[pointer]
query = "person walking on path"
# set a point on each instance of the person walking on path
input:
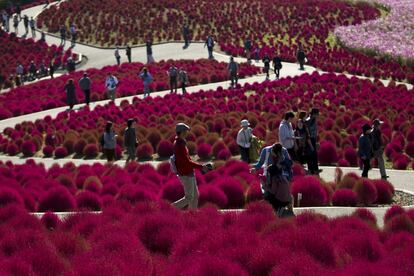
(85, 85)
(20, 71)
(287, 134)
(244, 138)
(62, 32)
(186, 35)
(173, 74)
(150, 58)
(210, 46)
(128, 53)
(16, 24)
(42, 37)
(70, 93)
(5, 19)
(277, 175)
(73, 35)
(233, 68)
(109, 142)
(51, 68)
(19, 11)
(147, 79)
(277, 65)
(130, 140)
(183, 78)
(312, 125)
(378, 147)
(32, 71)
(248, 49)
(26, 24)
(301, 57)
(365, 149)
(32, 24)
(185, 167)
(304, 144)
(111, 84)
(117, 56)
(266, 63)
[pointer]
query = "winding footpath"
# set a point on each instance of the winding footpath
(98, 58)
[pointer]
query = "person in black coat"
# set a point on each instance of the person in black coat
(266, 62)
(277, 65)
(186, 35)
(128, 53)
(365, 149)
(300, 55)
(70, 93)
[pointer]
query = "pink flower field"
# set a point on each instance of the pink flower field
(48, 94)
(345, 104)
(156, 239)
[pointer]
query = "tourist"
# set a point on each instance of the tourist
(148, 44)
(117, 56)
(257, 54)
(5, 19)
(147, 79)
(287, 134)
(18, 80)
(70, 65)
(186, 35)
(32, 24)
(277, 176)
(172, 75)
(303, 143)
(312, 125)
(210, 46)
(365, 149)
(378, 147)
(184, 168)
(20, 71)
(301, 57)
(233, 68)
(244, 138)
(70, 93)
(248, 49)
(109, 142)
(130, 140)
(62, 32)
(73, 34)
(42, 36)
(128, 53)
(42, 70)
(183, 78)
(277, 65)
(51, 68)
(32, 71)
(19, 11)
(26, 24)
(85, 85)
(266, 62)
(111, 83)
(16, 24)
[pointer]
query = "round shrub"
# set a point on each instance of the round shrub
(313, 193)
(400, 164)
(399, 223)
(145, 151)
(409, 149)
(48, 151)
(50, 220)
(69, 145)
(28, 148)
(88, 200)
(9, 196)
(165, 149)
(254, 193)
(90, 151)
(204, 151)
(79, 146)
(57, 200)
(393, 211)
(366, 191)
(12, 149)
(212, 194)
(344, 197)
(385, 191)
(172, 191)
(298, 170)
(224, 154)
(233, 190)
(217, 147)
(327, 153)
(350, 155)
(365, 215)
(348, 181)
(61, 152)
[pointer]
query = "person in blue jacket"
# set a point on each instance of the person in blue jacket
(365, 149)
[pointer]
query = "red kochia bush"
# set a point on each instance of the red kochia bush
(145, 151)
(89, 200)
(28, 148)
(48, 151)
(165, 149)
(90, 151)
(50, 220)
(9, 196)
(61, 152)
(233, 190)
(204, 151)
(313, 193)
(57, 200)
(344, 197)
(213, 195)
(385, 191)
(366, 191)
(327, 153)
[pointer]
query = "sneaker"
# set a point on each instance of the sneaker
(385, 177)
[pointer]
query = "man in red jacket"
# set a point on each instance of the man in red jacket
(185, 169)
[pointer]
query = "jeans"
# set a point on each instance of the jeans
(173, 84)
(244, 152)
(366, 167)
(313, 158)
(111, 94)
(233, 78)
(380, 159)
(183, 86)
(190, 193)
(87, 94)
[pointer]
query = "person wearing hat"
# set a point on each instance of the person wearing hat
(130, 140)
(365, 149)
(312, 125)
(85, 85)
(244, 138)
(185, 169)
(287, 135)
(377, 146)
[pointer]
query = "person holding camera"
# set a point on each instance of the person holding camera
(184, 167)
(130, 140)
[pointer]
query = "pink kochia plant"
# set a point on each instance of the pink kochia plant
(123, 238)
